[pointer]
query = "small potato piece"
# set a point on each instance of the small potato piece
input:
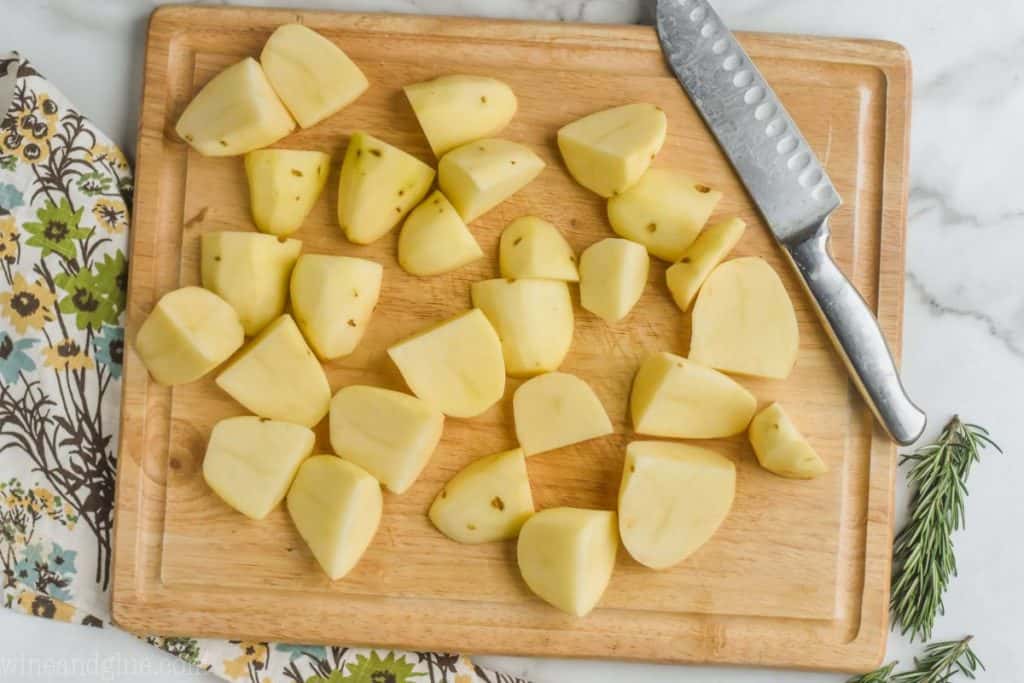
(189, 332)
(389, 434)
(744, 322)
(435, 239)
(663, 211)
(700, 258)
(555, 410)
(379, 184)
(284, 184)
(672, 499)
(277, 376)
(250, 271)
(312, 76)
(488, 500)
(453, 110)
(455, 365)
(336, 507)
(533, 319)
(333, 298)
(608, 151)
(533, 248)
(566, 556)
(479, 175)
(613, 274)
(236, 112)
(781, 448)
(250, 461)
(676, 397)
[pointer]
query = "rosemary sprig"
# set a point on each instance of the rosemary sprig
(923, 559)
(880, 675)
(940, 663)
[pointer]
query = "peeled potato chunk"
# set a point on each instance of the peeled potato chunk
(250, 461)
(566, 556)
(609, 150)
(533, 319)
(663, 211)
(453, 110)
(250, 271)
(672, 499)
(700, 258)
(488, 500)
(555, 410)
(277, 376)
(333, 298)
(336, 507)
(435, 239)
(533, 248)
(236, 112)
(743, 321)
(613, 274)
(189, 332)
(455, 365)
(284, 184)
(781, 448)
(389, 434)
(312, 76)
(479, 175)
(676, 397)
(379, 184)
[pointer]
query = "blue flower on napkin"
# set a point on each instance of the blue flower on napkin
(10, 198)
(13, 359)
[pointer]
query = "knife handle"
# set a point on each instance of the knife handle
(857, 337)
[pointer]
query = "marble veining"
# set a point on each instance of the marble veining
(964, 313)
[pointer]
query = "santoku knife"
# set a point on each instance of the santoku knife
(791, 189)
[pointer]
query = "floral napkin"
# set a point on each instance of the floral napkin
(65, 198)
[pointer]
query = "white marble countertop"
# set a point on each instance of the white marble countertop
(964, 321)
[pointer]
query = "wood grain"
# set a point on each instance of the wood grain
(797, 576)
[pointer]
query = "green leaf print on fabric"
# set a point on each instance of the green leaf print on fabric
(93, 183)
(56, 229)
(85, 299)
(373, 669)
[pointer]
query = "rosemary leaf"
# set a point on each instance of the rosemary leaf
(923, 558)
(880, 675)
(940, 663)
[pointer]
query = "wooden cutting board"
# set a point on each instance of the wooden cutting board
(797, 576)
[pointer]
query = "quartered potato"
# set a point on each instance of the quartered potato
(555, 410)
(435, 239)
(533, 319)
(488, 500)
(333, 298)
(676, 397)
(685, 278)
(672, 499)
(566, 556)
(608, 151)
(389, 434)
(531, 247)
(336, 507)
(284, 184)
(781, 448)
(236, 112)
(664, 211)
(250, 271)
(250, 461)
(744, 322)
(189, 332)
(453, 110)
(379, 184)
(613, 274)
(479, 175)
(277, 376)
(455, 365)
(311, 75)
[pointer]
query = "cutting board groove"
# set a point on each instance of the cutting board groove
(797, 576)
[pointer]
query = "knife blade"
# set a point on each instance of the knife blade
(791, 189)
